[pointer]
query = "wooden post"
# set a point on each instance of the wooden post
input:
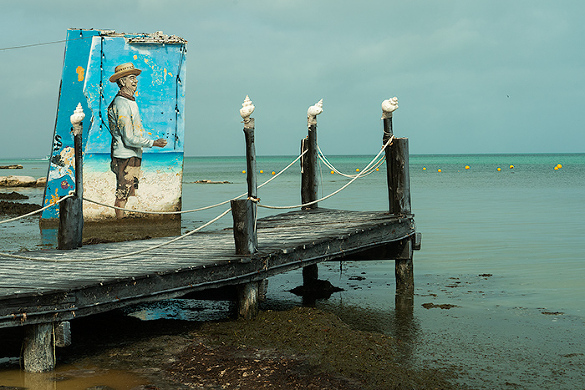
(404, 270)
(398, 180)
(310, 274)
(244, 217)
(309, 168)
(250, 159)
(309, 178)
(243, 212)
(70, 234)
(397, 173)
(247, 300)
(38, 352)
(398, 176)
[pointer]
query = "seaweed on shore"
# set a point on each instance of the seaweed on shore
(15, 208)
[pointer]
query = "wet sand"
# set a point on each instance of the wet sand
(302, 348)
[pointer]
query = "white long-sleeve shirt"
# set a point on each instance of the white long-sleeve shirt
(126, 129)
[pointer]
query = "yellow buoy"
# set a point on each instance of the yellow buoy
(424, 168)
(467, 167)
(377, 169)
(261, 171)
(439, 170)
(559, 166)
(556, 168)
(332, 172)
(357, 169)
(274, 173)
(511, 166)
(243, 171)
(499, 169)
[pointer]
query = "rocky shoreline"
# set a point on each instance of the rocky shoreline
(22, 181)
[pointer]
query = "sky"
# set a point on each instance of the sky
(496, 76)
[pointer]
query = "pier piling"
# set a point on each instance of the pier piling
(70, 234)
(309, 178)
(398, 181)
(244, 217)
(38, 353)
(309, 168)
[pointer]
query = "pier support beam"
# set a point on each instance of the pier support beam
(403, 269)
(38, 351)
(244, 215)
(247, 300)
(310, 274)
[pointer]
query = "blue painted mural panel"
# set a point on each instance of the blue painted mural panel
(91, 58)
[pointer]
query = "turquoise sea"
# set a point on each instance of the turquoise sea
(503, 241)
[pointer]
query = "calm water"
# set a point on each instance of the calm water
(506, 246)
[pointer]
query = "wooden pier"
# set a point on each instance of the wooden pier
(36, 292)
(52, 287)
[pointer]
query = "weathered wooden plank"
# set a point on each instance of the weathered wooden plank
(59, 291)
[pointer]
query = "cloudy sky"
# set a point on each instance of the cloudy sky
(495, 76)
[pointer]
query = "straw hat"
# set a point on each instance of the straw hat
(124, 70)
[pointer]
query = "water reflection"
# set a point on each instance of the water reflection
(405, 327)
(71, 378)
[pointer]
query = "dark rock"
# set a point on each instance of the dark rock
(316, 289)
(17, 208)
(12, 196)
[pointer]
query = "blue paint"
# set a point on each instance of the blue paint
(90, 59)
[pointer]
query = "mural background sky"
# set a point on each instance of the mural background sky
(494, 76)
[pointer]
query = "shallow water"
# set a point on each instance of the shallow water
(71, 378)
(523, 326)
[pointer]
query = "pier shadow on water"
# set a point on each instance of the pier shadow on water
(116, 230)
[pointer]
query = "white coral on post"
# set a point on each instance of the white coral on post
(388, 107)
(76, 119)
(313, 111)
(247, 108)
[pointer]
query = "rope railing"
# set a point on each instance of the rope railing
(37, 211)
(197, 209)
(359, 175)
(45, 259)
(327, 163)
(368, 169)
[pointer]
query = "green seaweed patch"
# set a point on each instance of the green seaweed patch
(444, 306)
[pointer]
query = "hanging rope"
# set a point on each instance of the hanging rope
(198, 209)
(330, 166)
(118, 256)
(36, 211)
(335, 192)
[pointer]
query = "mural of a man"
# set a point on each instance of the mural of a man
(127, 135)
